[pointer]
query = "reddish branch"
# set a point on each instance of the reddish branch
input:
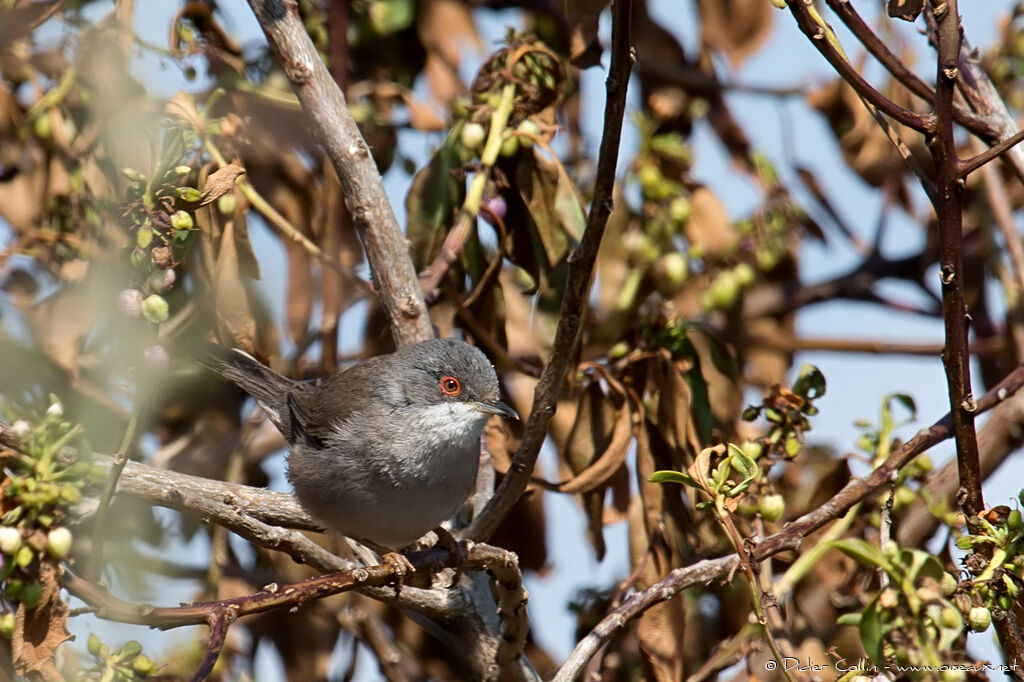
(334, 128)
(949, 214)
(790, 538)
(581, 268)
(818, 37)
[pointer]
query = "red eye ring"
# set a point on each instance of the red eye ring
(450, 386)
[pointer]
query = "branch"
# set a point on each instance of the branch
(791, 344)
(814, 27)
(790, 538)
(845, 10)
(976, 162)
(581, 267)
(334, 128)
(948, 206)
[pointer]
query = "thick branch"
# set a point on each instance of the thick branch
(949, 214)
(790, 538)
(801, 10)
(334, 128)
(581, 268)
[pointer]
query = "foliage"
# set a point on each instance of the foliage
(137, 219)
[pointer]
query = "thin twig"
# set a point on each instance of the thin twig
(813, 26)
(334, 128)
(581, 266)
(967, 166)
(94, 565)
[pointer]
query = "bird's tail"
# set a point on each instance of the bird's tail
(269, 388)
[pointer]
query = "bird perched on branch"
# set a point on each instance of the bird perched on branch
(385, 450)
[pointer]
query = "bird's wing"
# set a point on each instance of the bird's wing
(318, 406)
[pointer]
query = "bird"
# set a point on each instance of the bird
(387, 449)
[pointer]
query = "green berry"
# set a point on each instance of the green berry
(10, 540)
(772, 507)
(155, 308)
(509, 146)
(528, 127)
(181, 220)
(979, 618)
(58, 542)
(472, 135)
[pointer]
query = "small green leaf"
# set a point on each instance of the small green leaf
(811, 383)
(862, 552)
(870, 629)
(672, 477)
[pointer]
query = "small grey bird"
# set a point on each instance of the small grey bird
(387, 449)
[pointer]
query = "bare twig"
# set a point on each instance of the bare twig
(334, 128)
(949, 214)
(792, 344)
(967, 166)
(95, 562)
(811, 23)
(790, 538)
(845, 10)
(581, 266)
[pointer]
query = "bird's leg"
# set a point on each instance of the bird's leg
(458, 549)
(398, 563)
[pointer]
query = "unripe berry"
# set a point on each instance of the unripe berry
(979, 618)
(772, 507)
(155, 308)
(58, 542)
(10, 540)
(181, 220)
(472, 135)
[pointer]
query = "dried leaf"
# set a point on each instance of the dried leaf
(737, 28)
(444, 28)
(554, 204)
(182, 106)
(584, 47)
(220, 183)
(60, 324)
(422, 116)
(234, 311)
(591, 435)
(708, 226)
(39, 631)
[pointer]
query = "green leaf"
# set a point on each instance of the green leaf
(862, 552)
(870, 629)
(811, 383)
(672, 477)
(432, 203)
(849, 619)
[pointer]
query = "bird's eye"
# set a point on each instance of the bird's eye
(450, 386)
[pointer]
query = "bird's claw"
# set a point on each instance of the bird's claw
(401, 567)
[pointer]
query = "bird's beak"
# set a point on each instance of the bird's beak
(498, 408)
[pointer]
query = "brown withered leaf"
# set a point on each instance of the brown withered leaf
(39, 631)
(598, 442)
(584, 47)
(182, 106)
(444, 28)
(234, 311)
(907, 10)
(866, 147)
(60, 324)
(421, 115)
(708, 226)
(661, 631)
(220, 183)
(675, 414)
(736, 28)
(554, 204)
